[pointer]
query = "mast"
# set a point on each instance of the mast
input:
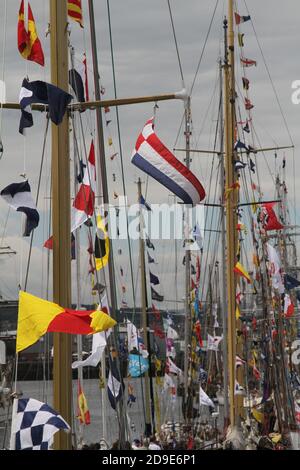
(144, 317)
(223, 248)
(187, 323)
(62, 372)
(229, 102)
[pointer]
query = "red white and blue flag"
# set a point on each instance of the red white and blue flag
(152, 156)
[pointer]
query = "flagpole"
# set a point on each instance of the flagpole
(148, 427)
(62, 375)
(187, 324)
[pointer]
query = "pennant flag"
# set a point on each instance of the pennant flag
(75, 11)
(150, 260)
(241, 271)
(171, 333)
(198, 333)
(18, 196)
(246, 83)
(153, 279)
(239, 361)
(257, 415)
(84, 202)
(144, 203)
(76, 82)
(241, 19)
(246, 128)
(239, 390)
(238, 165)
(151, 156)
(156, 296)
(252, 166)
(44, 93)
(49, 245)
(156, 312)
(283, 162)
(241, 39)
(290, 282)
(240, 145)
(268, 217)
(204, 398)
(115, 385)
(149, 244)
(37, 317)
(34, 424)
(171, 368)
(168, 382)
(29, 44)
(83, 413)
(137, 365)
(248, 62)
(197, 236)
(101, 244)
(248, 104)
(213, 342)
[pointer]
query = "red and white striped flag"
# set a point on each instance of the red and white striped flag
(84, 203)
(248, 62)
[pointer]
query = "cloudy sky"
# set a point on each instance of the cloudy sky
(146, 64)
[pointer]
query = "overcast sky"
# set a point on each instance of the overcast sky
(146, 64)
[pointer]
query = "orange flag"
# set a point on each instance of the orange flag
(83, 410)
(29, 44)
(241, 271)
(75, 11)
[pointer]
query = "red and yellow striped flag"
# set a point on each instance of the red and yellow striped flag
(29, 44)
(83, 410)
(75, 11)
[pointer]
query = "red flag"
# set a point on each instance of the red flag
(29, 44)
(248, 104)
(268, 217)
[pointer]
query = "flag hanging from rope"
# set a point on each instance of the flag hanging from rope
(29, 44)
(38, 316)
(18, 196)
(241, 271)
(83, 205)
(152, 156)
(268, 217)
(241, 19)
(44, 93)
(83, 413)
(248, 62)
(115, 385)
(75, 11)
(101, 244)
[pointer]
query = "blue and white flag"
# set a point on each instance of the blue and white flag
(34, 424)
(143, 202)
(152, 156)
(115, 385)
(153, 279)
(18, 196)
(137, 365)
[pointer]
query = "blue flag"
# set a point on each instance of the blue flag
(137, 365)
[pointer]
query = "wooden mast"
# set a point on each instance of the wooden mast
(62, 373)
(230, 204)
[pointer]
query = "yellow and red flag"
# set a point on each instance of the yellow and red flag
(75, 11)
(83, 410)
(241, 271)
(37, 317)
(29, 44)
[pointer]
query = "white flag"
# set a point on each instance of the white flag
(173, 368)
(213, 342)
(275, 268)
(171, 333)
(168, 382)
(204, 398)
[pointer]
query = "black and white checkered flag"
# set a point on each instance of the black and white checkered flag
(34, 424)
